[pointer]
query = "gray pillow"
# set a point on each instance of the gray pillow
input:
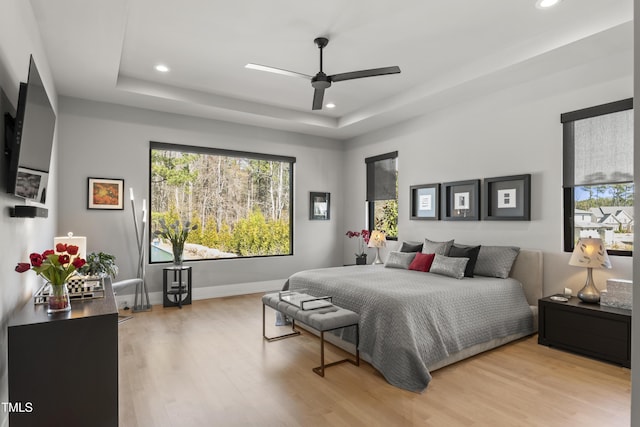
(411, 247)
(470, 252)
(400, 259)
(495, 261)
(446, 266)
(440, 248)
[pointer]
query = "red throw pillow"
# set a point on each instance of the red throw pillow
(422, 262)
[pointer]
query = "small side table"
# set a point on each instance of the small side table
(176, 286)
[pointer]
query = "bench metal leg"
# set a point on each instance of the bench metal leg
(320, 369)
(279, 337)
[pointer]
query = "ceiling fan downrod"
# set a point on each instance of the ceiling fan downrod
(321, 42)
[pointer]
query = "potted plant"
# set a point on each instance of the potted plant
(100, 264)
(363, 240)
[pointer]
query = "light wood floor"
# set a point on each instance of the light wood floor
(207, 365)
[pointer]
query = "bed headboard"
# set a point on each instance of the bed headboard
(528, 270)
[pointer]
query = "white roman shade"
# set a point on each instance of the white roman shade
(604, 149)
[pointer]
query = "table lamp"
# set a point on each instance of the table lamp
(590, 253)
(377, 240)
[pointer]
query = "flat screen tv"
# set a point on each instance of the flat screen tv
(29, 140)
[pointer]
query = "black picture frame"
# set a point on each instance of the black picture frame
(105, 193)
(461, 200)
(319, 205)
(507, 198)
(425, 201)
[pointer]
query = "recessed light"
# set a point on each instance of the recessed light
(330, 105)
(545, 4)
(162, 68)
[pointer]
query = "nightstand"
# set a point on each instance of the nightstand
(588, 329)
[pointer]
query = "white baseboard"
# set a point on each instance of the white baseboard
(155, 298)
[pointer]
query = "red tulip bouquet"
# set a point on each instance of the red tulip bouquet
(55, 267)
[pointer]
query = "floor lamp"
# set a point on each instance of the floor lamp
(141, 299)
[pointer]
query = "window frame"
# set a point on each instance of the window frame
(155, 145)
(370, 184)
(568, 165)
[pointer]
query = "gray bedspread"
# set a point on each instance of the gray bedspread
(409, 320)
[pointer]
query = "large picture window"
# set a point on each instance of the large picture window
(240, 203)
(382, 193)
(598, 176)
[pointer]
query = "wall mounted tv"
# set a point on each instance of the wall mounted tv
(29, 140)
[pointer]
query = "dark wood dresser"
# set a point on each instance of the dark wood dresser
(64, 365)
(588, 329)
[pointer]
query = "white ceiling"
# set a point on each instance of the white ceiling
(450, 50)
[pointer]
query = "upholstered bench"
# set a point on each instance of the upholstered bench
(321, 319)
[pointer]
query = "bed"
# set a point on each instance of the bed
(412, 323)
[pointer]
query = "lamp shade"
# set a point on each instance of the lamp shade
(377, 239)
(590, 252)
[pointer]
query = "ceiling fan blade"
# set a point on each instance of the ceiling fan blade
(318, 97)
(276, 71)
(364, 73)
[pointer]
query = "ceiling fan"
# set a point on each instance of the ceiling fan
(321, 81)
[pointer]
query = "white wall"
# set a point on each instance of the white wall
(19, 38)
(514, 131)
(110, 141)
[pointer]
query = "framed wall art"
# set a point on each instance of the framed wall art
(425, 201)
(507, 198)
(461, 200)
(105, 193)
(31, 184)
(319, 205)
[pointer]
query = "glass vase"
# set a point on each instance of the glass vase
(58, 299)
(177, 256)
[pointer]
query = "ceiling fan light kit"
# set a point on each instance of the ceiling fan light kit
(322, 81)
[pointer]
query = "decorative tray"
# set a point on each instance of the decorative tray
(79, 288)
(305, 301)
